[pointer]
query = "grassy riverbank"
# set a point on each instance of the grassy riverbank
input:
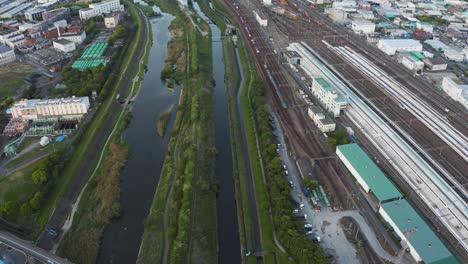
(181, 225)
(232, 82)
(100, 203)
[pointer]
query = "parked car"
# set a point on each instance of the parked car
(301, 206)
(307, 225)
(296, 211)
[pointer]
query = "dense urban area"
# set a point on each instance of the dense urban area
(234, 131)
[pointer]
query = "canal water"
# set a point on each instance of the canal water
(140, 176)
(228, 229)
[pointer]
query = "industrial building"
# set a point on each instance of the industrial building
(362, 26)
(64, 45)
(366, 172)
(410, 61)
(415, 234)
(56, 15)
(12, 38)
(7, 55)
(391, 46)
(435, 64)
(323, 122)
(48, 57)
(46, 108)
(457, 92)
(328, 96)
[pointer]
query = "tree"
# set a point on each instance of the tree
(35, 202)
(25, 209)
(39, 176)
(310, 183)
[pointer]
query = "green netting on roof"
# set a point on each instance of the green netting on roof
(92, 56)
(84, 64)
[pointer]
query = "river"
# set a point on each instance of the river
(228, 228)
(140, 176)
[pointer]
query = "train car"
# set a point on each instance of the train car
(277, 90)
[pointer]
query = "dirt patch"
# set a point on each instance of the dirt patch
(353, 234)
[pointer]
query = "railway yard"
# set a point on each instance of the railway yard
(409, 127)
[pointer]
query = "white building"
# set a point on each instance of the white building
(97, 9)
(37, 108)
(324, 123)
(411, 62)
(362, 26)
(112, 20)
(7, 55)
(328, 97)
(78, 37)
(391, 46)
(87, 13)
(12, 38)
(34, 14)
(106, 7)
(427, 27)
(456, 91)
(64, 45)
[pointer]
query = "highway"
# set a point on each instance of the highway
(30, 249)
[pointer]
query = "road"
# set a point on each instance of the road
(29, 249)
(256, 245)
(60, 215)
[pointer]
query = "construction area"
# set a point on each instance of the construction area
(407, 132)
(92, 56)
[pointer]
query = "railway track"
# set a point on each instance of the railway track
(266, 59)
(448, 162)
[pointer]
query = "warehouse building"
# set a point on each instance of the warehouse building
(415, 234)
(391, 46)
(362, 26)
(76, 37)
(366, 172)
(7, 55)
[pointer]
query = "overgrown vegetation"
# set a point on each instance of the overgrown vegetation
(100, 203)
(162, 123)
(433, 20)
(339, 137)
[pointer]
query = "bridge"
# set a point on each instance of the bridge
(30, 249)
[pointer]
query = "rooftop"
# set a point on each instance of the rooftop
(421, 237)
(64, 41)
(401, 42)
(377, 181)
(325, 85)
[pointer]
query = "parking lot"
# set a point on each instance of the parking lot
(323, 225)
